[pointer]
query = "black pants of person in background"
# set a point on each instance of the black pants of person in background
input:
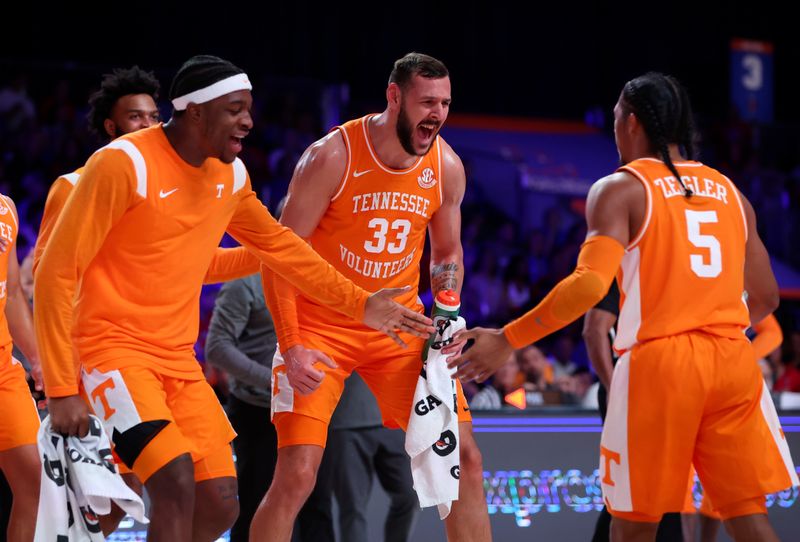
(669, 530)
(256, 448)
(352, 459)
(6, 500)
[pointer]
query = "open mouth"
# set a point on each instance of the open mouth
(427, 129)
(236, 143)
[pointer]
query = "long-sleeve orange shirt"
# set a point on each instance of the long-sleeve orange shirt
(134, 242)
(227, 263)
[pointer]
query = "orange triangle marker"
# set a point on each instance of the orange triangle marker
(517, 398)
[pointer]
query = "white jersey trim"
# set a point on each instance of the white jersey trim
(741, 205)
(378, 160)
(343, 183)
(615, 440)
(649, 207)
(676, 164)
(239, 175)
(630, 315)
(139, 165)
(71, 178)
(441, 171)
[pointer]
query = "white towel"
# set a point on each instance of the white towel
(432, 435)
(79, 481)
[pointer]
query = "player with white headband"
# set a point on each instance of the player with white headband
(134, 242)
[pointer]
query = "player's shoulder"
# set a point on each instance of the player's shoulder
(620, 181)
(327, 155)
(450, 159)
(69, 179)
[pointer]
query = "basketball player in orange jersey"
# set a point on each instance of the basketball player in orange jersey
(364, 196)
(19, 423)
(119, 282)
(125, 103)
(687, 389)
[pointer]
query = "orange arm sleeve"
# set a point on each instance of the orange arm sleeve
(281, 299)
(56, 199)
(106, 190)
(231, 263)
(768, 336)
(598, 263)
(286, 254)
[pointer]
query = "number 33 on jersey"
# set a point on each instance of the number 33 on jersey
(374, 229)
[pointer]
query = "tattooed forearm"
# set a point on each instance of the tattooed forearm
(444, 277)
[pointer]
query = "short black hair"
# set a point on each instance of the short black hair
(120, 82)
(416, 64)
(199, 72)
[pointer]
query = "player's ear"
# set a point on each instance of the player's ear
(194, 112)
(110, 127)
(393, 95)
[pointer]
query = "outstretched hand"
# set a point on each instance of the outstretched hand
(489, 351)
(390, 317)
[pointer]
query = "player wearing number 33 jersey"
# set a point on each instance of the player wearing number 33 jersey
(364, 197)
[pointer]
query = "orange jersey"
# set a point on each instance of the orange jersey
(684, 270)
(8, 231)
(132, 247)
(56, 199)
(374, 230)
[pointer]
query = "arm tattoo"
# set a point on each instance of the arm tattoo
(444, 277)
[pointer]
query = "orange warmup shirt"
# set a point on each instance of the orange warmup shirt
(134, 242)
(227, 263)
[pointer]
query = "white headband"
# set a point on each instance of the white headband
(220, 88)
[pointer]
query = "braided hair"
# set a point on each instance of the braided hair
(662, 105)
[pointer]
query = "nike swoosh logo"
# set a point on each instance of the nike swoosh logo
(360, 173)
(163, 194)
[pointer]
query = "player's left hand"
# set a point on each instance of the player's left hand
(390, 317)
(490, 350)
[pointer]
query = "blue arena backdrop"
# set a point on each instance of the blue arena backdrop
(542, 481)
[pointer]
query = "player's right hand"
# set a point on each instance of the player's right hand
(69, 415)
(384, 314)
(303, 376)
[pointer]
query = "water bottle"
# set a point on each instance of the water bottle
(445, 310)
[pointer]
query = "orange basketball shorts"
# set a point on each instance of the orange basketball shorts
(152, 418)
(19, 423)
(391, 372)
(690, 399)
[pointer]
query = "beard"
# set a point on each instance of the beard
(405, 133)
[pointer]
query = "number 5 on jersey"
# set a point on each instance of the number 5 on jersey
(399, 228)
(694, 219)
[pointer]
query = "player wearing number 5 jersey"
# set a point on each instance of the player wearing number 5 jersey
(683, 244)
(364, 196)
